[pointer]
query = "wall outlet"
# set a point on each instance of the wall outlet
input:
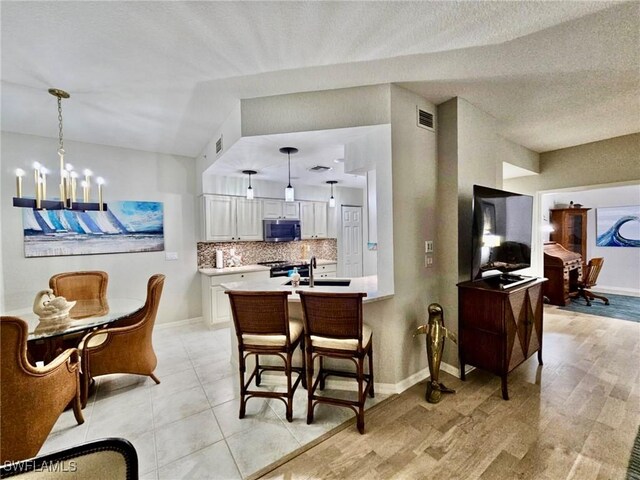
(428, 261)
(170, 255)
(428, 246)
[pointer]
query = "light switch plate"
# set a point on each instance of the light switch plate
(170, 255)
(428, 246)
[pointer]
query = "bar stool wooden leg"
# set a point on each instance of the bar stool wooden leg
(322, 374)
(310, 388)
(242, 367)
(361, 396)
(304, 365)
(371, 391)
(257, 370)
(287, 371)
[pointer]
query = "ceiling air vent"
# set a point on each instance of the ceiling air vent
(219, 145)
(425, 119)
(319, 169)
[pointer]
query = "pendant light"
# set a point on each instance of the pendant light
(249, 189)
(288, 192)
(332, 200)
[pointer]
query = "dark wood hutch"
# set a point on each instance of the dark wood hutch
(570, 229)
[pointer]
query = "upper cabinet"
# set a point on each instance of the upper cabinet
(232, 219)
(280, 209)
(313, 219)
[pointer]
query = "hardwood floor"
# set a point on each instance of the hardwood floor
(576, 417)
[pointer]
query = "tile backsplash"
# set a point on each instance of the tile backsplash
(254, 252)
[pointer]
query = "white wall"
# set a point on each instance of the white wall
(130, 175)
(471, 151)
(592, 165)
(621, 270)
(324, 110)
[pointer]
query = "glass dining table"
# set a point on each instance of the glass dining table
(46, 337)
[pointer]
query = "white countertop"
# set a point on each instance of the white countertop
(360, 284)
(212, 272)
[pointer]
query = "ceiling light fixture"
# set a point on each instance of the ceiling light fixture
(68, 179)
(332, 200)
(249, 188)
(288, 192)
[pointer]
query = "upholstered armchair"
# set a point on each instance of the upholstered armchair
(125, 348)
(32, 398)
(88, 289)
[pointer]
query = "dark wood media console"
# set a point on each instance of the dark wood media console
(498, 329)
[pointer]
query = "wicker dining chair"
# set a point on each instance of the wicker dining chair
(32, 398)
(263, 327)
(88, 289)
(127, 346)
(333, 328)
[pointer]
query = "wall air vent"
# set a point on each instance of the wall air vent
(319, 169)
(425, 119)
(219, 145)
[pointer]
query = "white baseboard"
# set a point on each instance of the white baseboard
(633, 292)
(178, 323)
(383, 388)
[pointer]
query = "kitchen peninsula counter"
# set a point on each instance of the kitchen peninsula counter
(359, 284)
(212, 272)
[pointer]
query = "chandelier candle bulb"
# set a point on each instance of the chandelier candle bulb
(36, 178)
(87, 179)
(100, 182)
(19, 175)
(43, 182)
(85, 191)
(74, 196)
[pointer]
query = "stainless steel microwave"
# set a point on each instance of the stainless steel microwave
(281, 230)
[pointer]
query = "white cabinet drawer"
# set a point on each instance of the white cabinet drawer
(239, 277)
(330, 268)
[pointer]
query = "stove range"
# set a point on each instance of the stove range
(281, 268)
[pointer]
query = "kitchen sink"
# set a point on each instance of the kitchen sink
(324, 282)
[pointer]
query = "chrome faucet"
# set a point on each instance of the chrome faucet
(312, 264)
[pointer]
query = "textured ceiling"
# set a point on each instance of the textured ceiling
(162, 76)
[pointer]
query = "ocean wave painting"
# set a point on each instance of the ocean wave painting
(127, 226)
(618, 226)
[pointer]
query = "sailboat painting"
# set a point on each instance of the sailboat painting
(127, 226)
(618, 226)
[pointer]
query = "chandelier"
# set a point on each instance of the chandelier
(68, 196)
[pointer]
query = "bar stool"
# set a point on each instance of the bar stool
(333, 328)
(262, 324)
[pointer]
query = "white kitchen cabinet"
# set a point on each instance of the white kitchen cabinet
(275, 209)
(219, 218)
(215, 303)
(248, 219)
(229, 218)
(326, 271)
(313, 220)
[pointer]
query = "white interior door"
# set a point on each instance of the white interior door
(351, 260)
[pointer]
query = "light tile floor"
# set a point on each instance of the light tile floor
(188, 426)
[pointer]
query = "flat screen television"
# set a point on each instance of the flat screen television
(502, 227)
